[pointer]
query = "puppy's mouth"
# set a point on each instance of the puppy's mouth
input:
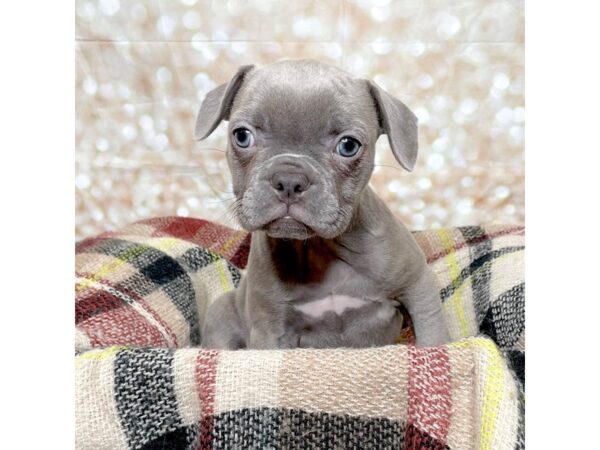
(288, 227)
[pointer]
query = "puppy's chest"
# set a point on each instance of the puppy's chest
(343, 295)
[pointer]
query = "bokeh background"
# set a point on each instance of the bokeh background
(143, 68)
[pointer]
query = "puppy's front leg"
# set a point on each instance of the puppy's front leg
(262, 339)
(223, 328)
(423, 302)
(267, 335)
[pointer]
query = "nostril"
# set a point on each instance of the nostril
(289, 185)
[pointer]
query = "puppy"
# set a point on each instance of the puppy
(329, 264)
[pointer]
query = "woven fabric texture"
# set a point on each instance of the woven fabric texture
(141, 295)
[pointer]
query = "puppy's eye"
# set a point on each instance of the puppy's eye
(243, 137)
(348, 147)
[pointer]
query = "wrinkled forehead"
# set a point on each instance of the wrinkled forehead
(300, 103)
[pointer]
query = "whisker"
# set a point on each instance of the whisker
(390, 167)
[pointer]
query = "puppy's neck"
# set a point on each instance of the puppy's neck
(307, 261)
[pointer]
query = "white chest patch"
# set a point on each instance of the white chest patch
(335, 303)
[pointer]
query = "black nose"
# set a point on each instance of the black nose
(289, 186)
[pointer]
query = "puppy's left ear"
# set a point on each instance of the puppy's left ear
(399, 123)
(216, 106)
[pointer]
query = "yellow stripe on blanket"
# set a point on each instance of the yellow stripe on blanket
(493, 387)
(221, 268)
(100, 354)
(162, 244)
(456, 299)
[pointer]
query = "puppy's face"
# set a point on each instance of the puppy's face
(301, 146)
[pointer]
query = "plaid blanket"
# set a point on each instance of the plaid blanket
(141, 295)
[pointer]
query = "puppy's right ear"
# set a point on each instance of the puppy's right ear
(216, 106)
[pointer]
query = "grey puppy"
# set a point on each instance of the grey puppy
(329, 264)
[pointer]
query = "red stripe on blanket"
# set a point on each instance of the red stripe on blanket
(240, 257)
(430, 400)
(138, 299)
(87, 243)
(206, 377)
(181, 228)
(117, 326)
(475, 240)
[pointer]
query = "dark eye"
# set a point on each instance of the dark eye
(243, 137)
(348, 147)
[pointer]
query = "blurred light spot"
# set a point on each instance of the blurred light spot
(203, 83)
(468, 106)
(418, 204)
(440, 144)
(124, 91)
(439, 102)
(82, 181)
(501, 81)
(193, 202)
(220, 35)
(90, 86)
(436, 161)
(422, 114)
(129, 132)
(183, 211)
(517, 134)
(398, 188)
(97, 215)
(418, 219)
(102, 144)
(380, 13)
(502, 192)
(146, 122)
(424, 183)
(161, 141)
(448, 25)
(467, 182)
(505, 115)
(166, 24)
(417, 49)
(464, 206)
(239, 47)
(334, 50)
(191, 20)
(163, 75)
(109, 7)
(304, 27)
(129, 109)
(381, 46)
(519, 114)
(424, 81)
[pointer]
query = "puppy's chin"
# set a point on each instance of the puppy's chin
(288, 228)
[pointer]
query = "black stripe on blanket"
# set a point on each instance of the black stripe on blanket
(271, 428)
(479, 245)
(156, 270)
(474, 267)
(145, 395)
(505, 320)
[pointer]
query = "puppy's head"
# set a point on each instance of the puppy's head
(301, 144)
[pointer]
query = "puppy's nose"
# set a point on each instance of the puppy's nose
(289, 186)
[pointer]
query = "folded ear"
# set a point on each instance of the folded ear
(216, 106)
(400, 125)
